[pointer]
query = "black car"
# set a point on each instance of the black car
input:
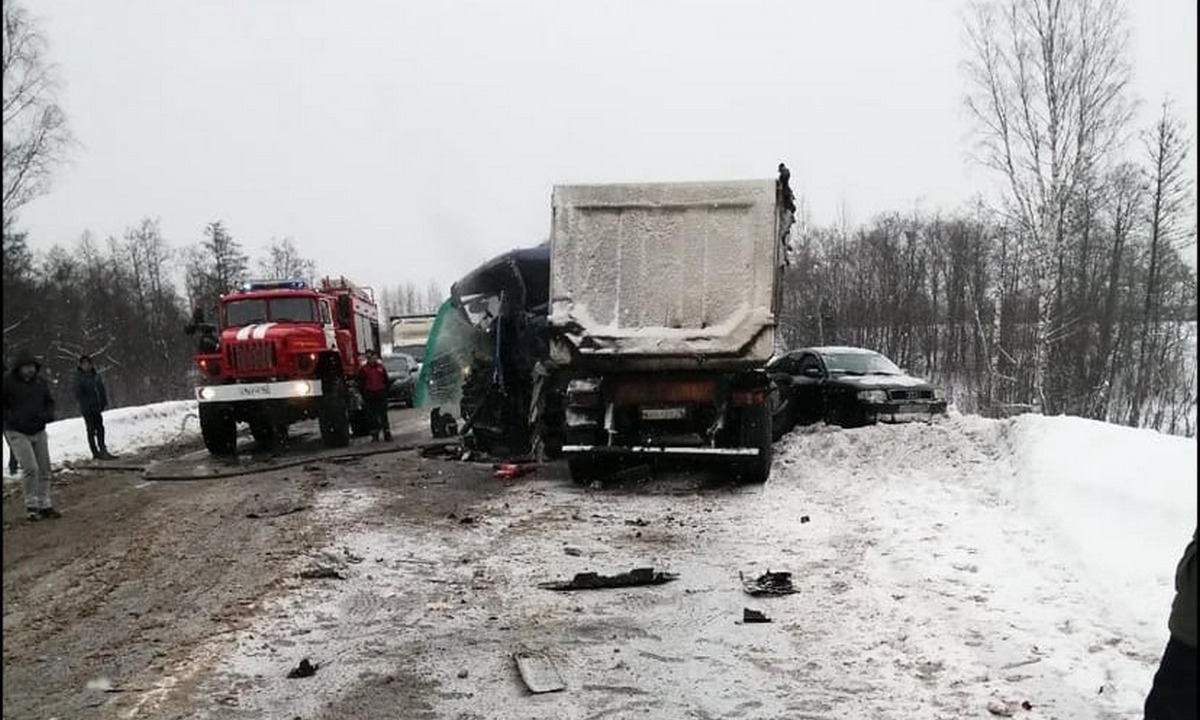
(402, 374)
(846, 386)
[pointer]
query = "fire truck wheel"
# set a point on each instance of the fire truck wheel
(335, 414)
(264, 434)
(219, 429)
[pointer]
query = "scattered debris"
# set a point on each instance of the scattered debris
(442, 425)
(303, 670)
(1007, 708)
(1026, 705)
(754, 616)
(321, 572)
(803, 519)
(511, 471)
(350, 557)
(262, 514)
(538, 672)
(638, 523)
(462, 674)
(769, 583)
(572, 551)
(594, 581)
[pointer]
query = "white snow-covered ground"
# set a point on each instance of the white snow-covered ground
(942, 569)
(127, 430)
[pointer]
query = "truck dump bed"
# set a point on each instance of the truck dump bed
(664, 275)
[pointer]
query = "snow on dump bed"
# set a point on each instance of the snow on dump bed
(665, 269)
(127, 430)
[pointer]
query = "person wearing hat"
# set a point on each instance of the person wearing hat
(92, 399)
(28, 407)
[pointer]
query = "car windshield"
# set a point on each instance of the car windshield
(860, 364)
(396, 364)
(240, 313)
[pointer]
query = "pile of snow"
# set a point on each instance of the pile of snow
(127, 430)
(1033, 556)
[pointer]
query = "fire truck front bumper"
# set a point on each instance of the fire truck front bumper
(246, 392)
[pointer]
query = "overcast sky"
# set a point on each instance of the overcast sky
(411, 140)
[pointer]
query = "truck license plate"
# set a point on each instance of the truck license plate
(673, 413)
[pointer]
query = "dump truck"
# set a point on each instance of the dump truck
(663, 299)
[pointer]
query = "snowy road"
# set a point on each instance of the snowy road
(942, 569)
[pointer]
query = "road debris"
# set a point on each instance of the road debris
(769, 583)
(321, 572)
(262, 514)
(572, 551)
(638, 523)
(538, 672)
(303, 670)
(754, 616)
(803, 519)
(512, 471)
(463, 674)
(595, 581)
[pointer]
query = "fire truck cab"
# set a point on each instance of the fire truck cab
(286, 352)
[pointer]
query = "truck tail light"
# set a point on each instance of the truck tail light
(742, 398)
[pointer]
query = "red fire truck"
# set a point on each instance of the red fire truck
(282, 352)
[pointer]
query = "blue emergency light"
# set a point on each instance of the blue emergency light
(291, 284)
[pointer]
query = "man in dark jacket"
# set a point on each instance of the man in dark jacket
(28, 408)
(373, 382)
(13, 467)
(92, 399)
(1173, 696)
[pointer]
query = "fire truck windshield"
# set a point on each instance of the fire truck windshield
(240, 313)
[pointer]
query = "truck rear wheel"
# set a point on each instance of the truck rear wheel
(334, 415)
(756, 433)
(219, 429)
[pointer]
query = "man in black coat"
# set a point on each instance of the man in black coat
(92, 398)
(28, 407)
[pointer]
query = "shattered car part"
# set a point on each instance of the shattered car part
(769, 583)
(538, 672)
(595, 581)
(754, 616)
(303, 670)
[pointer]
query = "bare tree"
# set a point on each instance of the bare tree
(1169, 207)
(1048, 92)
(283, 260)
(36, 135)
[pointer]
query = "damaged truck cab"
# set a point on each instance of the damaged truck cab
(663, 300)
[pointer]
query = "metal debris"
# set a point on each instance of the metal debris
(754, 616)
(769, 583)
(303, 670)
(538, 672)
(595, 581)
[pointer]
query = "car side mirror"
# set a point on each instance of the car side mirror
(812, 372)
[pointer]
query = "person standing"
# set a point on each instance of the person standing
(13, 467)
(28, 407)
(1173, 694)
(373, 382)
(92, 399)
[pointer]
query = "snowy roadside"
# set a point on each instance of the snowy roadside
(128, 430)
(942, 568)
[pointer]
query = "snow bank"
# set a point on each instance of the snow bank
(127, 430)
(1121, 501)
(1036, 553)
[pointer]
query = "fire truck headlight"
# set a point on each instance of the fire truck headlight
(207, 393)
(302, 387)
